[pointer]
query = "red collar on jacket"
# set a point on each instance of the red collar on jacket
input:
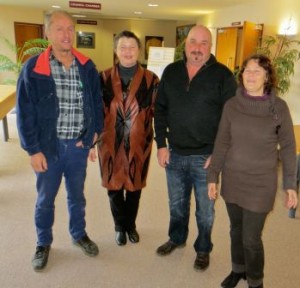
(42, 65)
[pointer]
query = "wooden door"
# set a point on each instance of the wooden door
(251, 39)
(226, 51)
(25, 32)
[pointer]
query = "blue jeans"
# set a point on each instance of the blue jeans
(183, 174)
(71, 163)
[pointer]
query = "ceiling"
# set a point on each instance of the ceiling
(180, 10)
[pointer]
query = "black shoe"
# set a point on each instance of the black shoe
(233, 279)
(40, 258)
(259, 286)
(88, 247)
(201, 261)
(121, 238)
(167, 248)
(133, 236)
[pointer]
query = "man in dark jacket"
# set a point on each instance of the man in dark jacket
(59, 116)
(188, 109)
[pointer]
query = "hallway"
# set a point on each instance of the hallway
(133, 265)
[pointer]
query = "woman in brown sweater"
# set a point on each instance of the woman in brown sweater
(129, 93)
(254, 124)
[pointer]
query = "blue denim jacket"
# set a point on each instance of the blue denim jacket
(38, 109)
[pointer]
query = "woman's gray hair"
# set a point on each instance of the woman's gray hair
(127, 34)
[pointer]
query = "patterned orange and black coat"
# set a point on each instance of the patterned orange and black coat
(125, 144)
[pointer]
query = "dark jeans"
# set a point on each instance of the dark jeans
(185, 173)
(71, 164)
(247, 251)
(124, 208)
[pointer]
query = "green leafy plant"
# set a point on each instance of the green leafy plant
(284, 53)
(29, 48)
(179, 50)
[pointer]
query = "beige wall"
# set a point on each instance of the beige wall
(102, 55)
(8, 16)
(271, 13)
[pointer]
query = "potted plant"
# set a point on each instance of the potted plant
(30, 47)
(284, 53)
(179, 50)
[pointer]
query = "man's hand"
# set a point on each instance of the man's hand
(92, 153)
(207, 162)
(163, 156)
(39, 162)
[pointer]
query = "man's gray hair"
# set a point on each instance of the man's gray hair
(50, 14)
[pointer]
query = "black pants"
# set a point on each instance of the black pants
(124, 207)
(247, 251)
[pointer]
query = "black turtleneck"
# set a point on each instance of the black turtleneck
(126, 73)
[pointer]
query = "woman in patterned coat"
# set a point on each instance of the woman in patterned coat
(126, 141)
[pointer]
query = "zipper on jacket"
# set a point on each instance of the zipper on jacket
(205, 66)
(188, 86)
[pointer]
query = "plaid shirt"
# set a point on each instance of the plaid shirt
(70, 96)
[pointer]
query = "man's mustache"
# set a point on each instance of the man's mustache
(197, 53)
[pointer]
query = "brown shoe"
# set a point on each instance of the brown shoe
(167, 248)
(201, 261)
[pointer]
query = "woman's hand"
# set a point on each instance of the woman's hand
(212, 191)
(291, 200)
(92, 154)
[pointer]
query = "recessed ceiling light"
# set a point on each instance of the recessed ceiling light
(138, 12)
(152, 5)
(55, 6)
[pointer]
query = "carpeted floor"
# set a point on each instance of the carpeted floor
(134, 265)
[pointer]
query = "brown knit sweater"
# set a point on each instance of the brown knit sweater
(246, 151)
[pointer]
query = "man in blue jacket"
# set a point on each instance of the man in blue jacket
(59, 117)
